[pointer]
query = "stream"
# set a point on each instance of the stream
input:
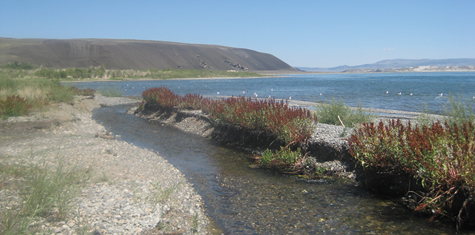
(243, 200)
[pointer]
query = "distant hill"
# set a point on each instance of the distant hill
(135, 54)
(396, 64)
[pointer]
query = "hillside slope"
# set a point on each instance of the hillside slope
(135, 54)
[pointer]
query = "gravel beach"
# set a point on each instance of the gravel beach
(132, 190)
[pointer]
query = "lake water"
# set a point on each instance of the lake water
(397, 91)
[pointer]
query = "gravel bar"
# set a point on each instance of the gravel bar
(132, 191)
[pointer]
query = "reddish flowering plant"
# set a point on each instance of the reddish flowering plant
(440, 155)
(292, 125)
(161, 96)
(14, 106)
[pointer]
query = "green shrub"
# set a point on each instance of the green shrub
(45, 193)
(282, 159)
(330, 111)
(459, 110)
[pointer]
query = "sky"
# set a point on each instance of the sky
(303, 33)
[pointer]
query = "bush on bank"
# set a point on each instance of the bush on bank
(441, 156)
(291, 125)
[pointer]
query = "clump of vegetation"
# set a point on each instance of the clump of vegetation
(440, 156)
(284, 158)
(292, 125)
(19, 96)
(161, 96)
(84, 92)
(459, 110)
(14, 106)
(44, 194)
(335, 112)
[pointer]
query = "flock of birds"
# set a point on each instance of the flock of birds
(290, 97)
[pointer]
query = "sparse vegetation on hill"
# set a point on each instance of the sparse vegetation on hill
(136, 54)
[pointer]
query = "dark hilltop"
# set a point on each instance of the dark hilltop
(136, 54)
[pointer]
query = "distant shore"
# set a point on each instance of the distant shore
(270, 74)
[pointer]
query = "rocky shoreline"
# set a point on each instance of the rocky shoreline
(132, 190)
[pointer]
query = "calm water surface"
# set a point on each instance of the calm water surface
(398, 91)
(243, 200)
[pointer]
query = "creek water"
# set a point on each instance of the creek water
(243, 200)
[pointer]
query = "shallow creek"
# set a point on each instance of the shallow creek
(242, 200)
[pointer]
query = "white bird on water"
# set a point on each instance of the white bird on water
(399, 93)
(217, 92)
(387, 92)
(290, 97)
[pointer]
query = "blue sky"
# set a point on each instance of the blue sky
(309, 33)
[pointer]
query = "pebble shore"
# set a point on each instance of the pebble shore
(132, 191)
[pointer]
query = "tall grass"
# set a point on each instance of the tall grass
(335, 112)
(19, 96)
(44, 193)
(459, 110)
